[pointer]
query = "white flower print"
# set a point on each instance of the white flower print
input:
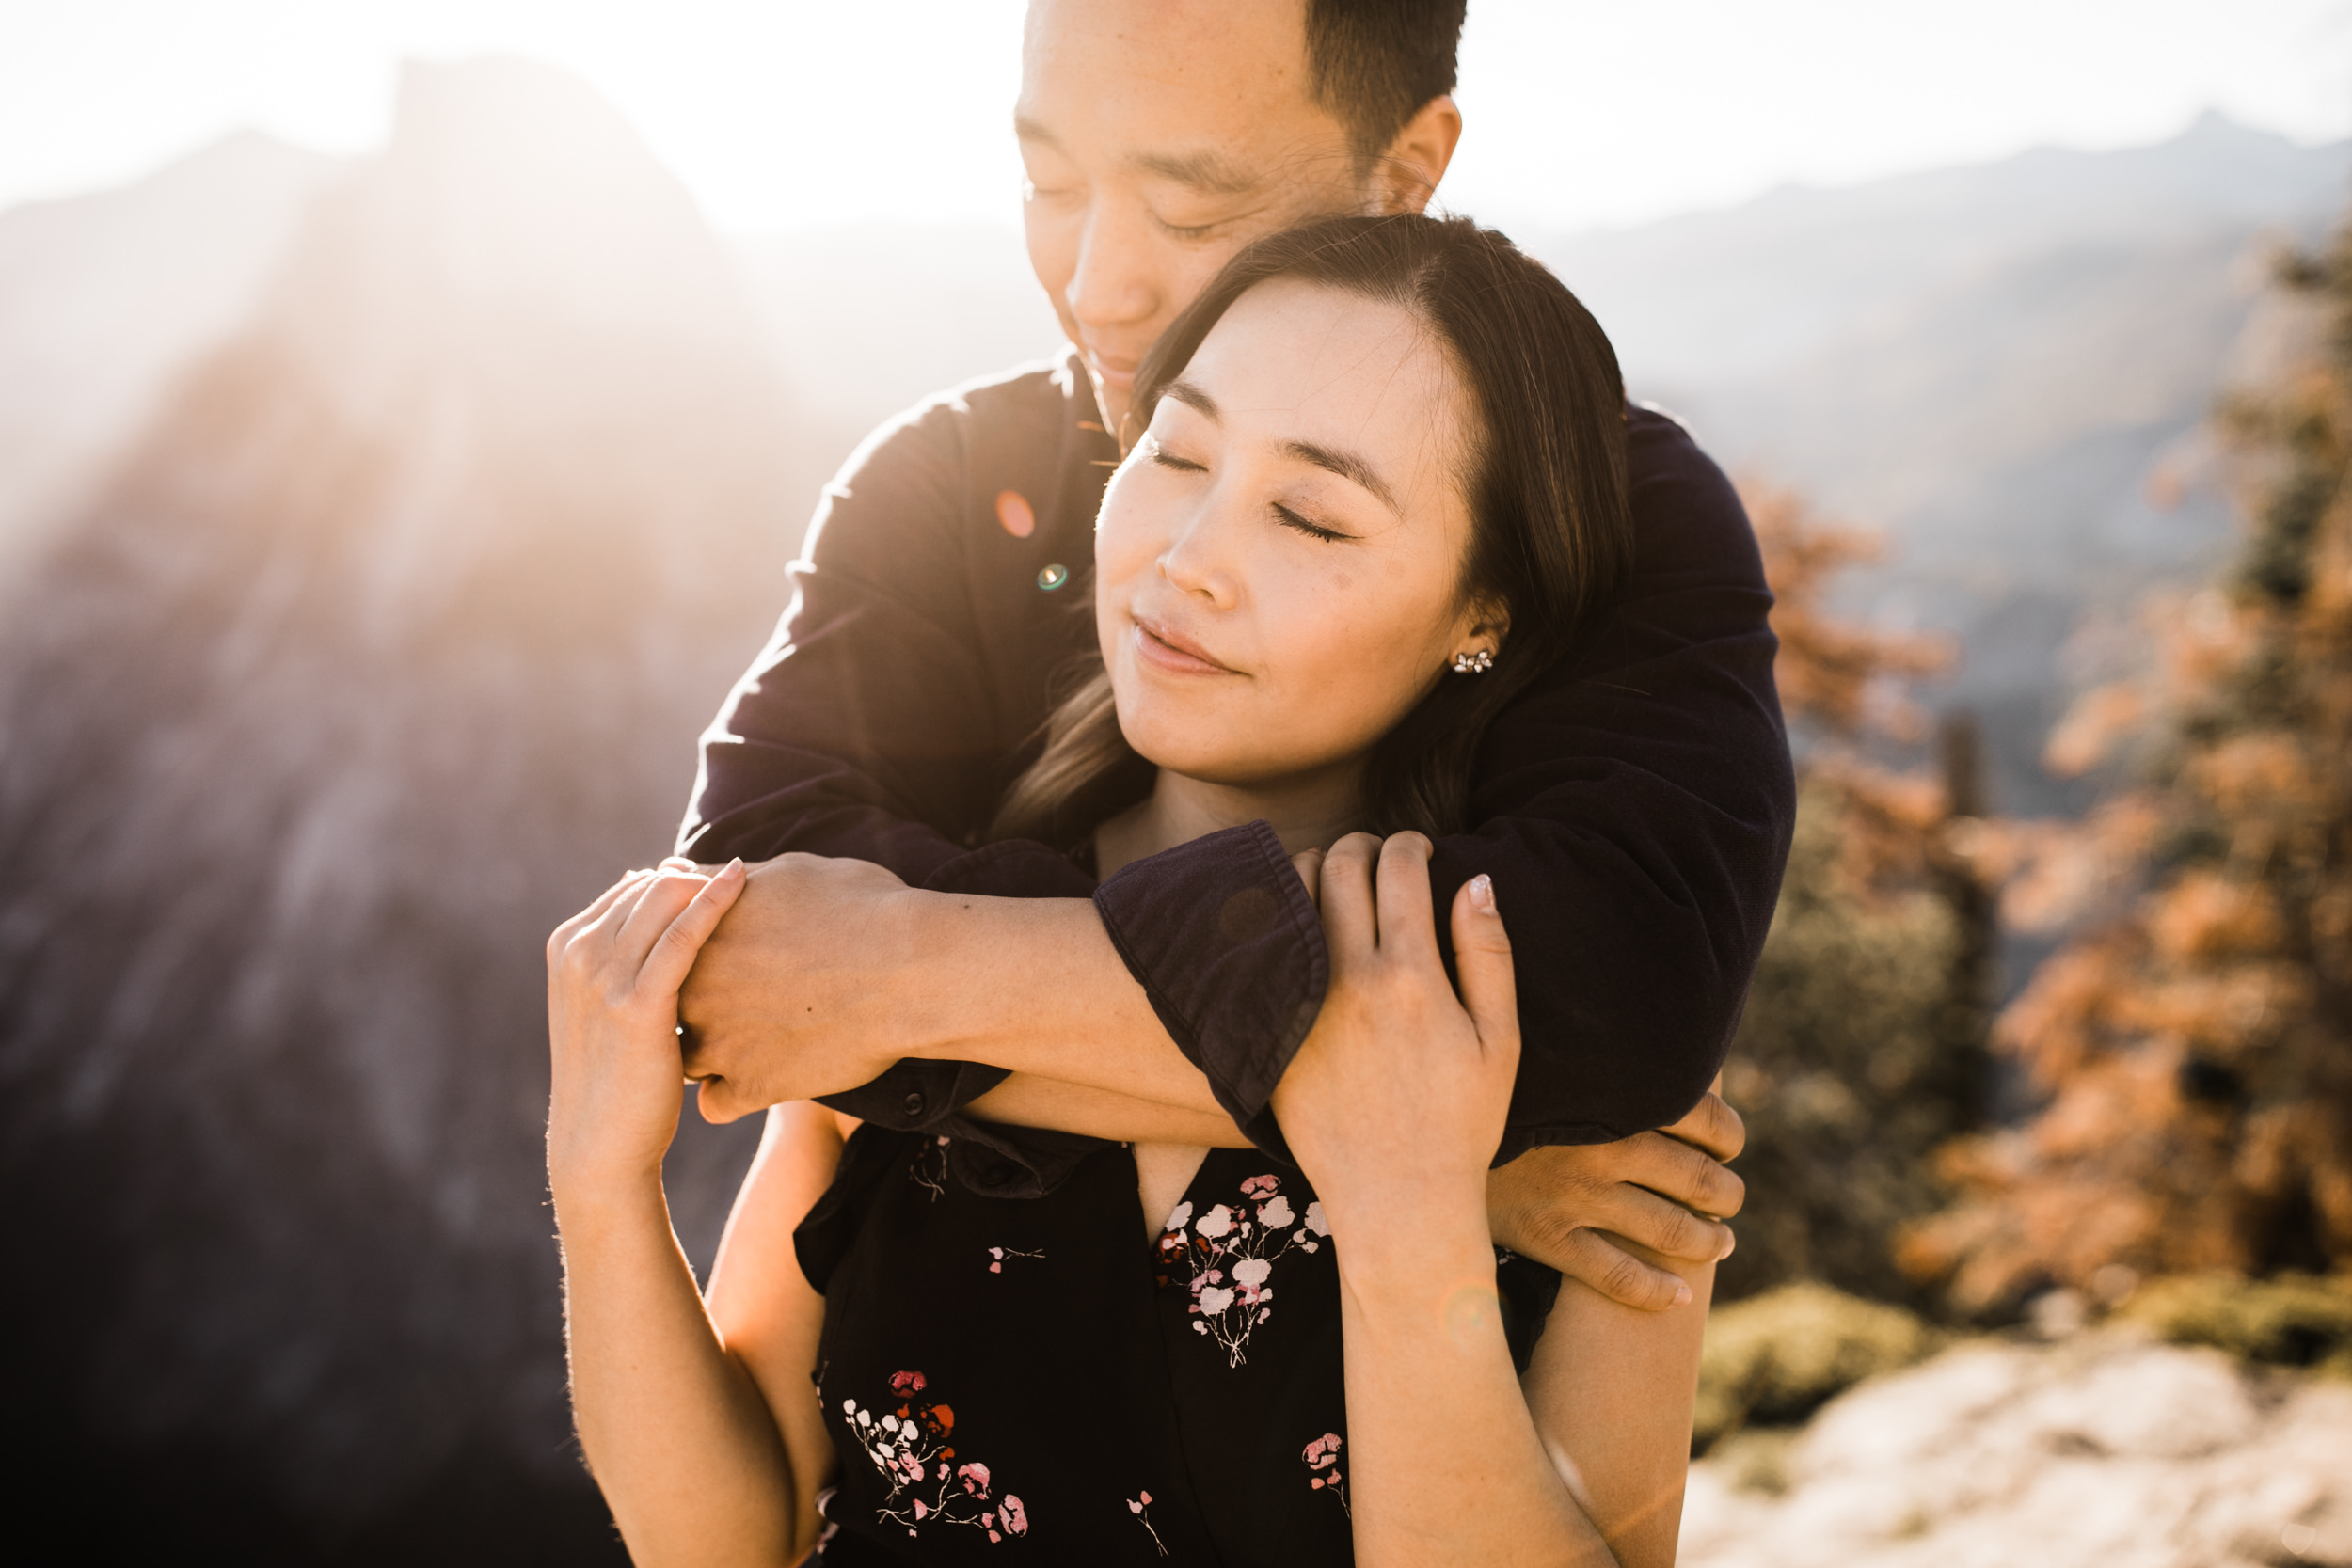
(914, 1449)
(1232, 1250)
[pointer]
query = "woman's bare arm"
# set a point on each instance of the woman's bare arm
(675, 1429)
(762, 1307)
(1393, 1104)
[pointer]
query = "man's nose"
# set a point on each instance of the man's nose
(1113, 285)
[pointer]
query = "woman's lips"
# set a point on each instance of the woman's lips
(1168, 649)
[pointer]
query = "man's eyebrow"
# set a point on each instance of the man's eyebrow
(1347, 466)
(1025, 129)
(1212, 173)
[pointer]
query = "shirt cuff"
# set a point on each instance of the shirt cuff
(1228, 946)
(924, 1095)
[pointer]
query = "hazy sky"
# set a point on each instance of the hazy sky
(787, 113)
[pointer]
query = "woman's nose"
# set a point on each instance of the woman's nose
(1196, 562)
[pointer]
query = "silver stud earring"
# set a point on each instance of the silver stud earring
(1473, 663)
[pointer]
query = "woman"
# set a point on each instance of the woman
(1380, 481)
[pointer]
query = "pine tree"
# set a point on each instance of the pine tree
(1862, 1046)
(2195, 1049)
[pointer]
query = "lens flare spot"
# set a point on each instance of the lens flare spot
(1055, 575)
(1014, 512)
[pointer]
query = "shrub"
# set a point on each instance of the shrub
(1778, 1357)
(2294, 1319)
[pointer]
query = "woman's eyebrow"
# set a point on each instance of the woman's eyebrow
(1348, 466)
(1196, 396)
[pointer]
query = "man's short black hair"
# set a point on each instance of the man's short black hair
(1374, 63)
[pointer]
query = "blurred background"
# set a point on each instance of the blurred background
(406, 412)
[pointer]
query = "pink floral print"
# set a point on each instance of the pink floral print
(1140, 1506)
(999, 1254)
(1231, 1251)
(1323, 1463)
(913, 1448)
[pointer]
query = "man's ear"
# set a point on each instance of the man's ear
(1408, 173)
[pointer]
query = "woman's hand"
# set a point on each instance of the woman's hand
(1395, 1104)
(614, 973)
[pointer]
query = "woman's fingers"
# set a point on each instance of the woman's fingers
(589, 916)
(673, 951)
(1309, 864)
(1403, 915)
(666, 894)
(1481, 959)
(1350, 927)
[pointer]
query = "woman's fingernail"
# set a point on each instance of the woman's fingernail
(734, 868)
(1483, 893)
(1682, 1293)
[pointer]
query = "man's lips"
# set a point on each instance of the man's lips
(1110, 368)
(1168, 649)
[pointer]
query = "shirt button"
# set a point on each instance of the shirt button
(913, 1103)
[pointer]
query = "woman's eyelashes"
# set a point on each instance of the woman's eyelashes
(1285, 515)
(1290, 519)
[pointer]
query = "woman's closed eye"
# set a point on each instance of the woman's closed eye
(1290, 519)
(1167, 459)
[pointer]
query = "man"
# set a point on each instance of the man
(1635, 808)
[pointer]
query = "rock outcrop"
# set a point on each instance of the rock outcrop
(2104, 1449)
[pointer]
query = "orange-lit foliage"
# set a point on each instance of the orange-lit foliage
(1833, 673)
(2195, 1049)
(1862, 1046)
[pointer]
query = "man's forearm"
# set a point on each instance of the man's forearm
(1035, 987)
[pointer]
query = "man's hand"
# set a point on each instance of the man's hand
(1567, 1204)
(793, 996)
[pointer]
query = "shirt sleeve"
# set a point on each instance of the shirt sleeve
(868, 726)
(1633, 808)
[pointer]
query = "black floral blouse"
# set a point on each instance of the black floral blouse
(1029, 1378)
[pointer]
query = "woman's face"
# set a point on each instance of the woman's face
(1278, 559)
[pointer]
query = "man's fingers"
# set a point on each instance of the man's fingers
(673, 951)
(1349, 927)
(1685, 1174)
(1712, 1126)
(1590, 1256)
(1668, 1228)
(1482, 959)
(719, 1103)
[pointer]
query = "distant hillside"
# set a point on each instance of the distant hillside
(1990, 364)
(105, 297)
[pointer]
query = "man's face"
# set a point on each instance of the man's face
(1161, 136)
